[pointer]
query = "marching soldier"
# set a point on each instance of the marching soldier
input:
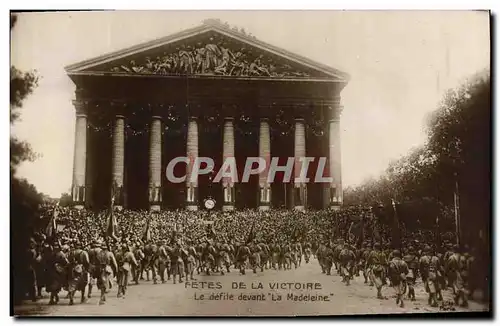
(255, 261)
(189, 262)
(377, 262)
(398, 270)
(411, 261)
(103, 267)
(307, 252)
(455, 270)
(367, 267)
(177, 263)
(224, 258)
(327, 257)
(430, 270)
(163, 260)
(78, 272)
(125, 260)
(57, 264)
(139, 256)
(264, 254)
(242, 257)
(347, 259)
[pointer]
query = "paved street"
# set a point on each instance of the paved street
(147, 299)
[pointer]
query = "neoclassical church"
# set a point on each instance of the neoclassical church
(210, 91)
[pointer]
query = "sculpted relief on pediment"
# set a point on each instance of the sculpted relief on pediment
(210, 59)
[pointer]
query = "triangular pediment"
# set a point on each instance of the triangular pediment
(209, 49)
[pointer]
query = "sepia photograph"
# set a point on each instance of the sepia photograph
(250, 163)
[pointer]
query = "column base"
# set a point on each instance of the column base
(335, 207)
(300, 208)
(78, 206)
(227, 208)
(191, 207)
(264, 207)
(154, 208)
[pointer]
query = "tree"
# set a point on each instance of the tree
(25, 199)
(457, 150)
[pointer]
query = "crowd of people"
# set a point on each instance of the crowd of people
(81, 253)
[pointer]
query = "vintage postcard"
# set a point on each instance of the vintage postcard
(250, 163)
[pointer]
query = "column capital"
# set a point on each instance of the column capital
(80, 107)
(335, 112)
(228, 118)
(156, 117)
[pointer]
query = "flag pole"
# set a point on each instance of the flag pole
(456, 201)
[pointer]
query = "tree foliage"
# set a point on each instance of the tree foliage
(25, 200)
(457, 151)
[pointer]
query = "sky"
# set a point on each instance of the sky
(400, 62)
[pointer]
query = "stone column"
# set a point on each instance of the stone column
(118, 159)
(155, 164)
(192, 154)
(300, 187)
(335, 164)
(228, 152)
(80, 155)
(264, 153)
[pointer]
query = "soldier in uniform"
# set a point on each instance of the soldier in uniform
(430, 270)
(57, 264)
(224, 259)
(366, 266)
(148, 261)
(189, 262)
(103, 267)
(177, 263)
(255, 261)
(327, 257)
(208, 257)
(377, 262)
(455, 271)
(108, 249)
(338, 246)
(286, 255)
(163, 260)
(31, 277)
(275, 252)
(411, 261)
(242, 257)
(398, 270)
(93, 251)
(139, 256)
(264, 254)
(78, 272)
(347, 260)
(307, 252)
(125, 260)
(298, 251)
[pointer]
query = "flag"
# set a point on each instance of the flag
(211, 234)
(147, 231)
(111, 227)
(438, 236)
(251, 235)
(51, 229)
(396, 232)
